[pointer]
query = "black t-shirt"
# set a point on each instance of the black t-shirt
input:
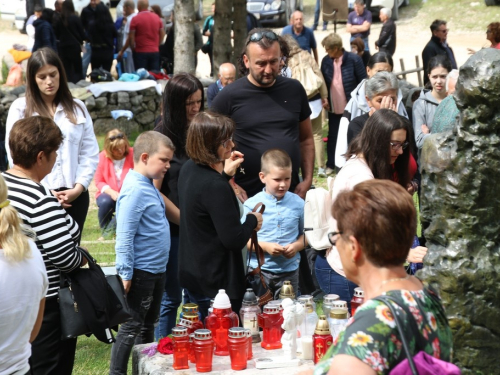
(355, 126)
(265, 117)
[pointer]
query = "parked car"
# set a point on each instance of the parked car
(374, 6)
(275, 12)
(166, 6)
(16, 10)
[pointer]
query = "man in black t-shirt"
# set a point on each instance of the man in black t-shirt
(270, 111)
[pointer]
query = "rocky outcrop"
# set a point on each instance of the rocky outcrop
(460, 215)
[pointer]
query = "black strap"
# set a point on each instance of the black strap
(386, 300)
(255, 247)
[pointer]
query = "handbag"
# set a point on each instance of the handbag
(91, 303)
(422, 363)
(258, 284)
(305, 74)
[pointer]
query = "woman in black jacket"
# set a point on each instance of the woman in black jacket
(102, 33)
(70, 34)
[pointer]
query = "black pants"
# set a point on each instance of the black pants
(333, 132)
(49, 354)
(78, 210)
(101, 57)
(72, 61)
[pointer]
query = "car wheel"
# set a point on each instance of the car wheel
(395, 11)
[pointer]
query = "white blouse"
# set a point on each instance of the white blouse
(78, 155)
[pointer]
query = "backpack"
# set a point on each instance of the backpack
(318, 219)
(100, 75)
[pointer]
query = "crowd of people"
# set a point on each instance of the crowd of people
(181, 200)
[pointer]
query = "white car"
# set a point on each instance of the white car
(166, 7)
(15, 10)
(374, 6)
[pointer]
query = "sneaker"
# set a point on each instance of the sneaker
(322, 172)
(329, 171)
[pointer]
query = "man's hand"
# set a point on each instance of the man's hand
(325, 104)
(126, 285)
(302, 188)
(417, 254)
(119, 56)
(272, 249)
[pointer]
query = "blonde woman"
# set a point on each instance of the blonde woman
(23, 298)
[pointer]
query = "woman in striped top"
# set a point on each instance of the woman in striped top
(33, 144)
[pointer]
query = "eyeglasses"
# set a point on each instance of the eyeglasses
(397, 145)
(257, 37)
(116, 136)
(334, 236)
(224, 144)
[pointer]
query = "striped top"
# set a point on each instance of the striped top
(56, 232)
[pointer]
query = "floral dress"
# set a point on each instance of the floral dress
(372, 336)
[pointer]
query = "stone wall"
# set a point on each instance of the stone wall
(460, 215)
(144, 104)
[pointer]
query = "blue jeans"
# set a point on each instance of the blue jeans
(144, 298)
(86, 59)
(172, 295)
(316, 15)
(331, 282)
(107, 207)
(147, 60)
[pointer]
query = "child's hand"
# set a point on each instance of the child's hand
(290, 250)
(126, 285)
(272, 249)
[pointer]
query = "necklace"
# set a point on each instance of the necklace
(392, 280)
(24, 173)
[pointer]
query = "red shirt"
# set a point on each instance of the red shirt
(147, 26)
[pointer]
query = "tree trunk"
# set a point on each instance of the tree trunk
(239, 29)
(184, 36)
(222, 48)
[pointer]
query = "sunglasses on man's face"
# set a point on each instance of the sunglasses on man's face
(257, 37)
(116, 136)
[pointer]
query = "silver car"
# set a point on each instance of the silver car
(166, 7)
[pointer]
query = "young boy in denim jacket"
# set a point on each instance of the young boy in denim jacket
(281, 236)
(142, 244)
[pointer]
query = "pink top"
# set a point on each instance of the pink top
(105, 174)
(497, 46)
(337, 93)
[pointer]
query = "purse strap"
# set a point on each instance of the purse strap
(386, 300)
(254, 245)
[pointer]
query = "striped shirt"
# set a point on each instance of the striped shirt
(56, 232)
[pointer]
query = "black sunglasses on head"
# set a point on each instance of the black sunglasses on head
(257, 37)
(116, 136)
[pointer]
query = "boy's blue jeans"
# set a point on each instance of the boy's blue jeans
(144, 298)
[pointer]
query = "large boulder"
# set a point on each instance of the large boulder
(460, 215)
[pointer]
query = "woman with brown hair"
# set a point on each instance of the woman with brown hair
(211, 235)
(115, 161)
(48, 95)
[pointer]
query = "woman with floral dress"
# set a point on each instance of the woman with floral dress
(376, 222)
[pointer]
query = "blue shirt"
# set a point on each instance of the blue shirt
(142, 230)
(305, 39)
(283, 223)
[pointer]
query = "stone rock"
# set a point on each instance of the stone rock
(145, 118)
(460, 205)
(101, 102)
(123, 97)
(132, 93)
(18, 90)
(151, 105)
(83, 83)
(113, 98)
(90, 103)
(7, 99)
(137, 109)
(2, 109)
(136, 100)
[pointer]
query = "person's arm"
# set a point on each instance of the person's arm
(131, 39)
(198, 39)
(38, 321)
(16, 112)
(315, 54)
(418, 121)
(161, 34)
(124, 48)
(342, 142)
(353, 130)
(99, 179)
(307, 157)
(88, 157)
(385, 33)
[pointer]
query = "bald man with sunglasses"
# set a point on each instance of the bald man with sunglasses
(270, 111)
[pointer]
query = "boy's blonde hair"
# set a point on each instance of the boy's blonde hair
(149, 143)
(13, 241)
(275, 157)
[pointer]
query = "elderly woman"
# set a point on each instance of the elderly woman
(352, 72)
(115, 161)
(33, 144)
(373, 217)
(211, 235)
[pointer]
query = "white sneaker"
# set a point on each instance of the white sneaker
(322, 172)
(329, 171)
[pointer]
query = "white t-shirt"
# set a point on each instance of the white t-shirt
(352, 173)
(22, 287)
